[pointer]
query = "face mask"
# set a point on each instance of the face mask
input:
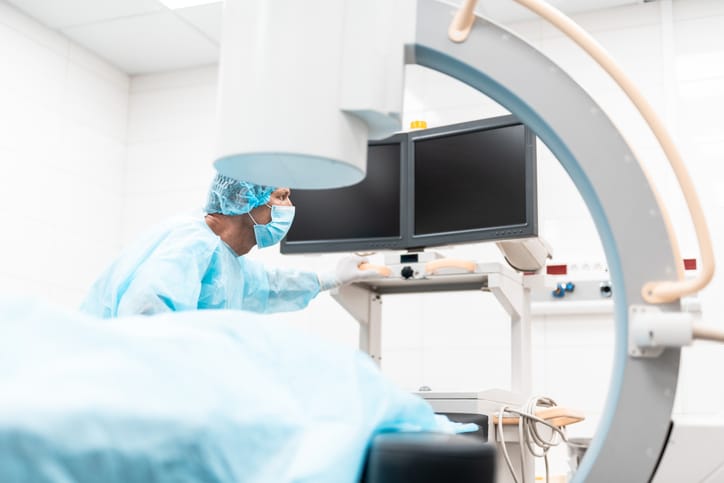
(273, 232)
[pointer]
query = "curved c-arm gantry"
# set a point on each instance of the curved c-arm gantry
(634, 425)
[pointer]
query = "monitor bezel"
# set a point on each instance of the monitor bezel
(407, 239)
(369, 244)
(499, 233)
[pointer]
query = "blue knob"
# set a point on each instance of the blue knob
(560, 291)
(570, 287)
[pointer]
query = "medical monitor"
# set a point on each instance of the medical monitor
(471, 182)
(364, 216)
(462, 183)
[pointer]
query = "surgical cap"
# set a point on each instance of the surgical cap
(233, 197)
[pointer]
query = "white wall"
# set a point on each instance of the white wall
(62, 145)
(170, 146)
(83, 148)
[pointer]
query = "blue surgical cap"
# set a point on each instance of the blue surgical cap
(230, 196)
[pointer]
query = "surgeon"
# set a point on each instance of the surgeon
(192, 263)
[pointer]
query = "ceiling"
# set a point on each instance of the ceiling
(145, 36)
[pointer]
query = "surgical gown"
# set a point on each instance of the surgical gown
(183, 265)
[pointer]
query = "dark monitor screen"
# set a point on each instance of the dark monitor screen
(470, 181)
(462, 183)
(353, 216)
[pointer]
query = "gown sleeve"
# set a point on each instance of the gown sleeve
(269, 290)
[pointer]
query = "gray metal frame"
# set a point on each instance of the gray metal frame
(633, 428)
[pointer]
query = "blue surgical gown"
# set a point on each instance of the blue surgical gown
(183, 265)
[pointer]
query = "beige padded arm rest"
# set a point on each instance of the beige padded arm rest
(381, 269)
(433, 266)
(557, 416)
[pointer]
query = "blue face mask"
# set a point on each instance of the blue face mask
(273, 232)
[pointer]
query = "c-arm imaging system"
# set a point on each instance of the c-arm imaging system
(633, 431)
(642, 257)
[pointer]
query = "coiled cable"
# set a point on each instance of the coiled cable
(529, 434)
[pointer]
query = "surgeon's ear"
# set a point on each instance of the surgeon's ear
(261, 214)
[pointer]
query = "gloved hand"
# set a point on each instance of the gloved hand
(347, 271)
